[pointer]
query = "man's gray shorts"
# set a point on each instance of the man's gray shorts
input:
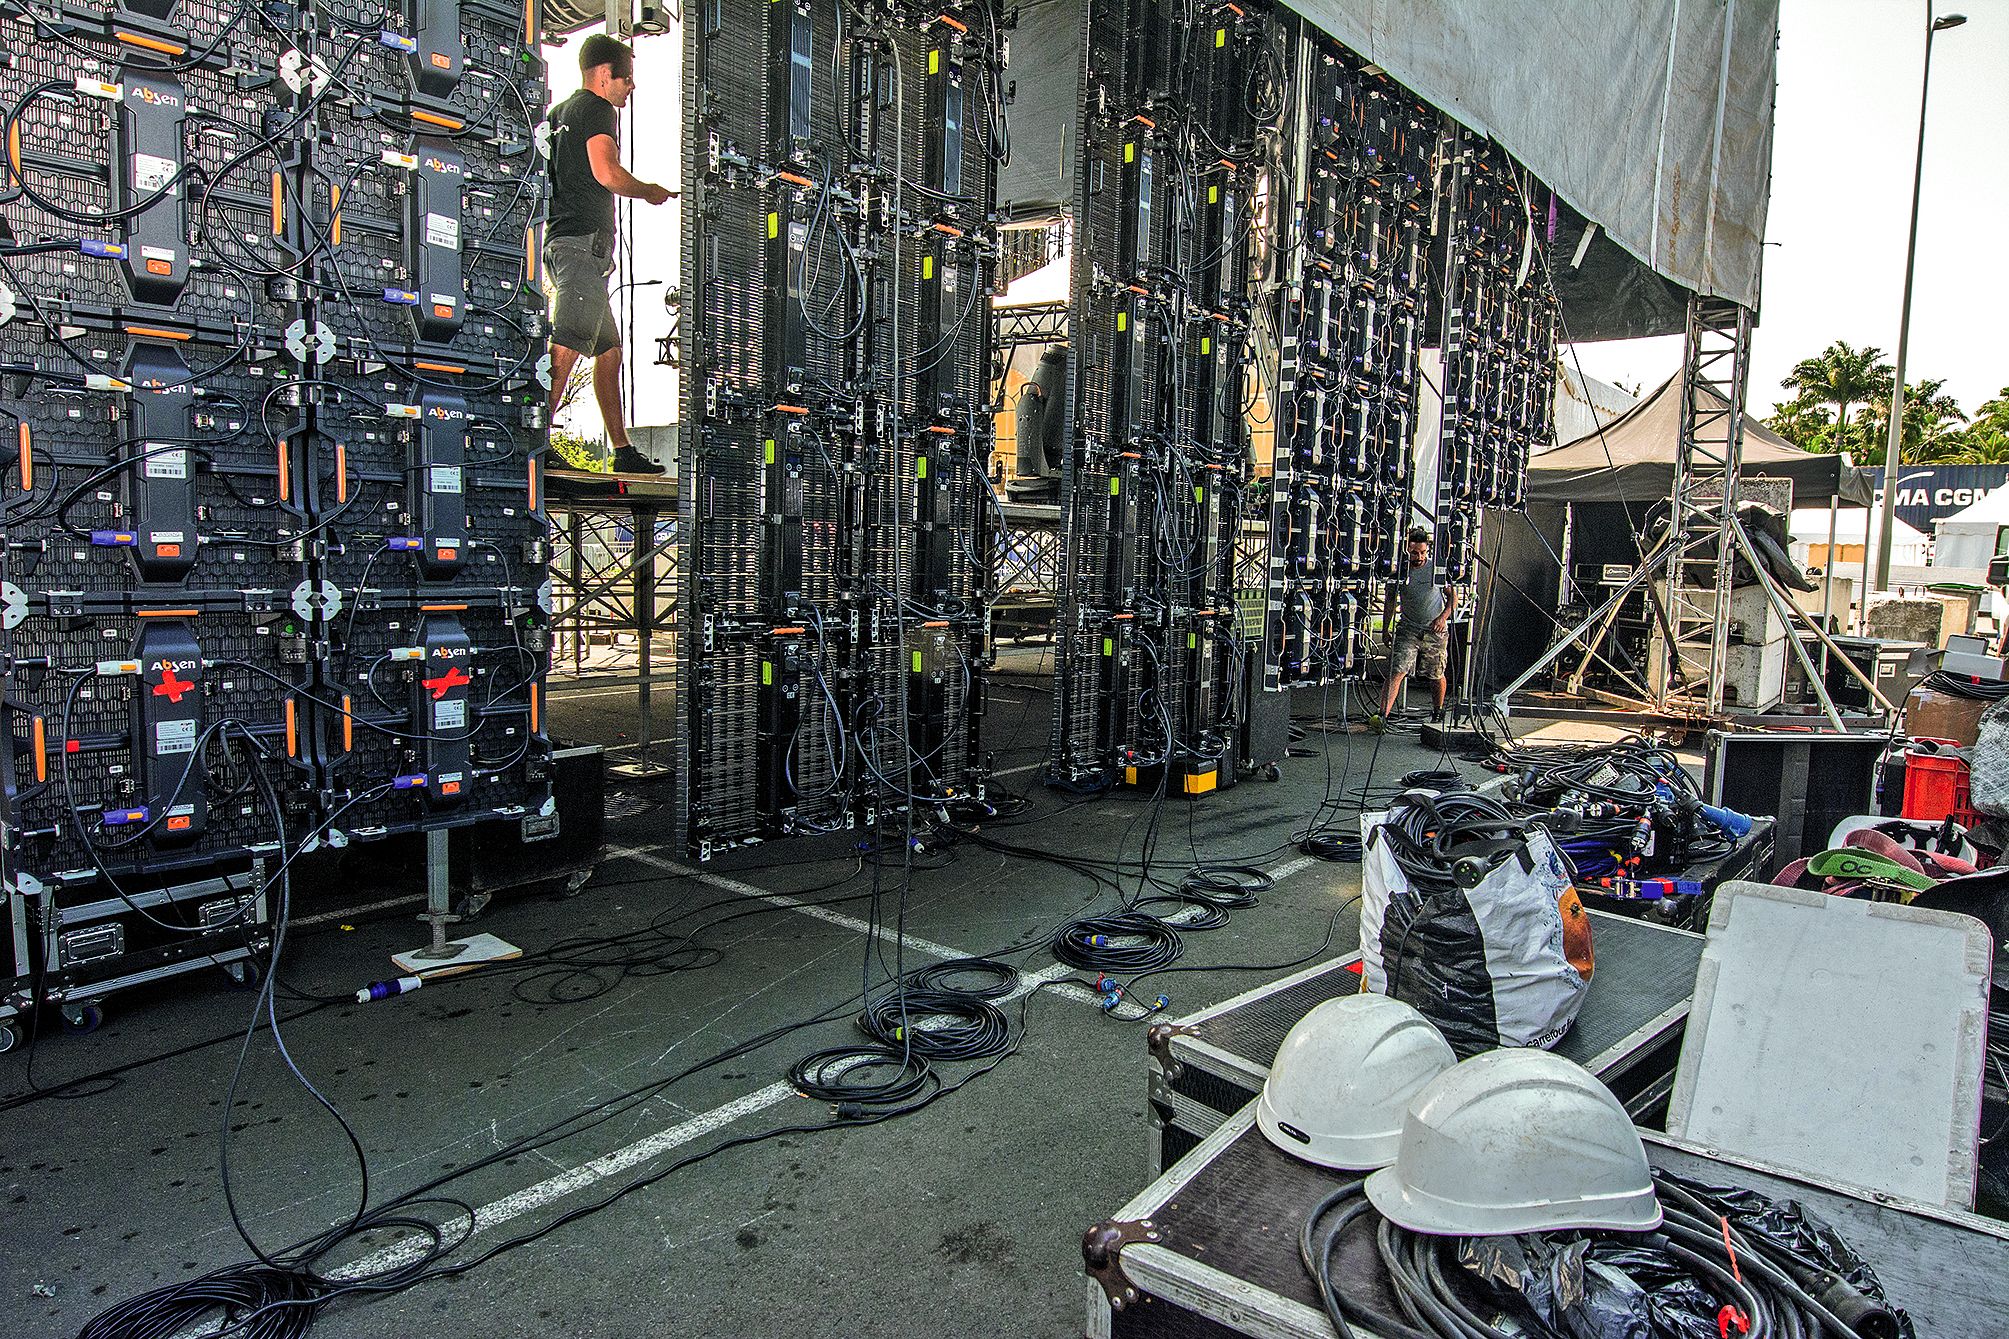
(1418, 654)
(575, 278)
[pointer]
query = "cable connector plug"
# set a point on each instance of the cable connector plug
(383, 990)
(847, 1110)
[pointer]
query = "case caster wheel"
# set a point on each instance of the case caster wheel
(83, 1017)
(245, 973)
(1273, 772)
(10, 1036)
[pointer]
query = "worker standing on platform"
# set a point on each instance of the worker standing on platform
(1421, 632)
(586, 175)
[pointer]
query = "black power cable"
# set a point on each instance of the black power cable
(1130, 942)
(1752, 1282)
(1965, 686)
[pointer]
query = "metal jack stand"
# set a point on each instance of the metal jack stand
(445, 957)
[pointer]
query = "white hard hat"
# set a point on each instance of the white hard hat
(1344, 1076)
(1512, 1141)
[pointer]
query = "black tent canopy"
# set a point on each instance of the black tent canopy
(1631, 459)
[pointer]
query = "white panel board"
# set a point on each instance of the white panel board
(1839, 1037)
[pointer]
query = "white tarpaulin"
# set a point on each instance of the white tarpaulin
(1653, 118)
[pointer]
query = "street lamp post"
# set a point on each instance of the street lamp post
(1893, 447)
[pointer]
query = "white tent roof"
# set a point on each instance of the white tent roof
(1990, 509)
(1047, 284)
(1584, 404)
(1810, 525)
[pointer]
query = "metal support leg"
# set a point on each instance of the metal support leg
(576, 524)
(643, 564)
(439, 900)
(442, 956)
(645, 640)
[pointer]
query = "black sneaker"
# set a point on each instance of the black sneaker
(627, 460)
(1437, 716)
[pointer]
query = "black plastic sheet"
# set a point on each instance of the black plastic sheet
(1608, 1285)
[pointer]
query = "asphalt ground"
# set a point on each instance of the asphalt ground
(763, 1214)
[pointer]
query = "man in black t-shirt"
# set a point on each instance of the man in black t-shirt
(586, 175)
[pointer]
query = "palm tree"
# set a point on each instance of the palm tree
(1844, 377)
(1986, 440)
(1805, 422)
(1931, 424)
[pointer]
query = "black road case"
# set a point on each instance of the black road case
(1210, 1248)
(1207, 1066)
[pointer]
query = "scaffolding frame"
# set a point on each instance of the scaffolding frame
(1697, 560)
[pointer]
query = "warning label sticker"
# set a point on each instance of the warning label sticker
(162, 464)
(151, 172)
(443, 230)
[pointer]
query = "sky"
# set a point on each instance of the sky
(1847, 127)
(1842, 154)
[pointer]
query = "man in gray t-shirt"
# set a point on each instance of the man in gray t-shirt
(1425, 610)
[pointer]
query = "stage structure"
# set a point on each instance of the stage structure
(834, 508)
(1179, 150)
(275, 570)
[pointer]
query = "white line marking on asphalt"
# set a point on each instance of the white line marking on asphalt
(783, 900)
(321, 918)
(608, 1165)
(497, 1212)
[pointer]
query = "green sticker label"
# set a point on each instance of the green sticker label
(1192, 640)
(773, 226)
(1122, 321)
(1206, 344)
(1108, 646)
(1115, 486)
(935, 61)
(920, 467)
(1130, 153)
(917, 662)
(1213, 195)
(927, 267)
(770, 450)
(766, 673)
(1220, 37)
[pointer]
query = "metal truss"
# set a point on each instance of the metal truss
(1695, 564)
(1015, 327)
(1700, 557)
(1027, 554)
(613, 571)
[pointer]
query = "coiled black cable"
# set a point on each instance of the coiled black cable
(979, 978)
(1960, 685)
(1225, 887)
(852, 1075)
(282, 1304)
(1128, 942)
(1332, 843)
(1429, 835)
(1439, 1298)
(936, 1024)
